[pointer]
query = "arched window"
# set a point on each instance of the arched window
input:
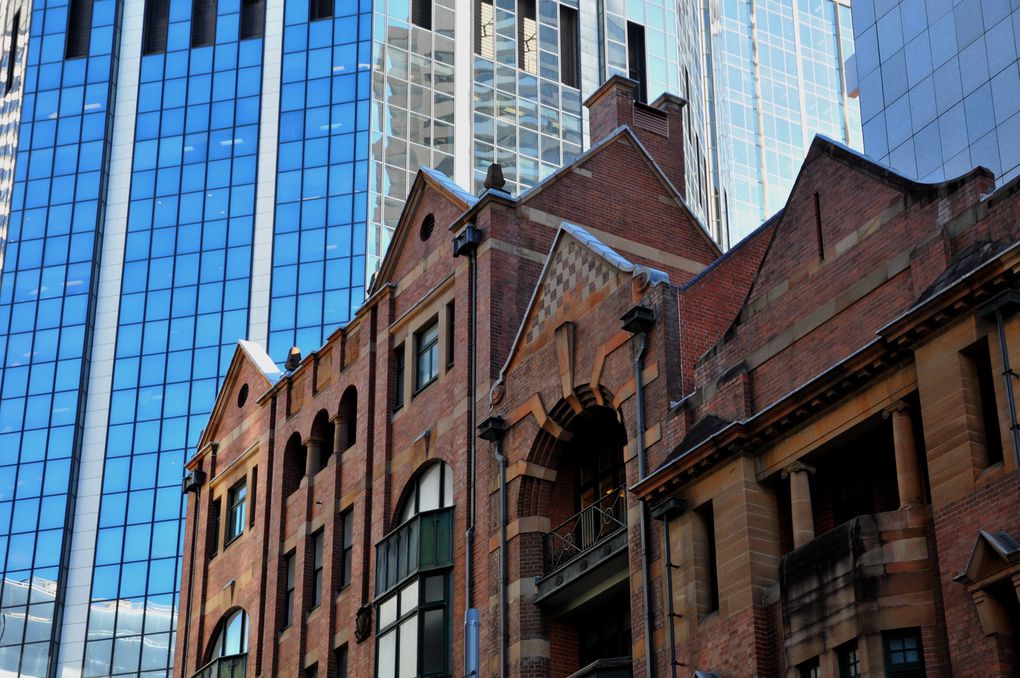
(294, 456)
(431, 489)
(232, 638)
(348, 419)
(322, 433)
(413, 578)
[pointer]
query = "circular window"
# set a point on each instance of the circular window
(242, 396)
(427, 224)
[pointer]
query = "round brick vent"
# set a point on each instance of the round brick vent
(242, 396)
(428, 224)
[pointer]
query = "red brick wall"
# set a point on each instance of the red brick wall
(992, 507)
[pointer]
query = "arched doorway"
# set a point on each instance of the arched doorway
(585, 592)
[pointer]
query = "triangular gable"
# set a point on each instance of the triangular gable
(798, 223)
(992, 553)
(563, 271)
(424, 181)
(625, 134)
(249, 365)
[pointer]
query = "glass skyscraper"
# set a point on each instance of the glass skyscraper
(179, 174)
(940, 86)
(778, 78)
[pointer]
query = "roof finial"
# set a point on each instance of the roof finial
(293, 359)
(494, 177)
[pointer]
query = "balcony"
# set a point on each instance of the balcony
(868, 574)
(230, 666)
(586, 529)
(586, 555)
(424, 542)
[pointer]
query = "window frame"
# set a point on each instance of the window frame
(218, 646)
(255, 13)
(705, 515)
(570, 42)
(451, 325)
(327, 5)
(346, 560)
(400, 370)
(423, 348)
(215, 522)
(637, 58)
(848, 659)
(202, 37)
(79, 15)
(527, 36)
(251, 495)
(417, 611)
(318, 548)
(914, 669)
(289, 587)
(421, 14)
(812, 668)
(341, 655)
(485, 29)
(237, 511)
(156, 27)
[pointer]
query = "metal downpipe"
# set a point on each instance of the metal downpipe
(1007, 376)
(646, 566)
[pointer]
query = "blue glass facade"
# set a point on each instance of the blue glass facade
(320, 229)
(940, 86)
(47, 300)
(183, 305)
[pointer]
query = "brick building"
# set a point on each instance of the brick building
(806, 446)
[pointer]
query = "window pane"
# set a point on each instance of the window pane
(433, 642)
(435, 589)
(429, 488)
(387, 653)
(409, 598)
(388, 612)
(409, 648)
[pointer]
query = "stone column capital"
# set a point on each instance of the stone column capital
(898, 407)
(312, 441)
(798, 467)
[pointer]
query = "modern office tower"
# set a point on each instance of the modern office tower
(940, 85)
(179, 174)
(778, 79)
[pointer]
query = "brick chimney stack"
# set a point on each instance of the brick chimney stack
(658, 126)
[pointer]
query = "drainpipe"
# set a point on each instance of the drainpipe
(192, 483)
(639, 321)
(466, 244)
(493, 429)
(668, 509)
(998, 308)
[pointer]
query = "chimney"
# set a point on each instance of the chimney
(658, 126)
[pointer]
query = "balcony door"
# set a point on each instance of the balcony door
(597, 451)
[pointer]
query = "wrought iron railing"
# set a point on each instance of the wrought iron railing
(230, 666)
(586, 529)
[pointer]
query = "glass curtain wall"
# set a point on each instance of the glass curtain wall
(319, 243)
(184, 298)
(412, 105)
(778, 81)
(47, 300)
